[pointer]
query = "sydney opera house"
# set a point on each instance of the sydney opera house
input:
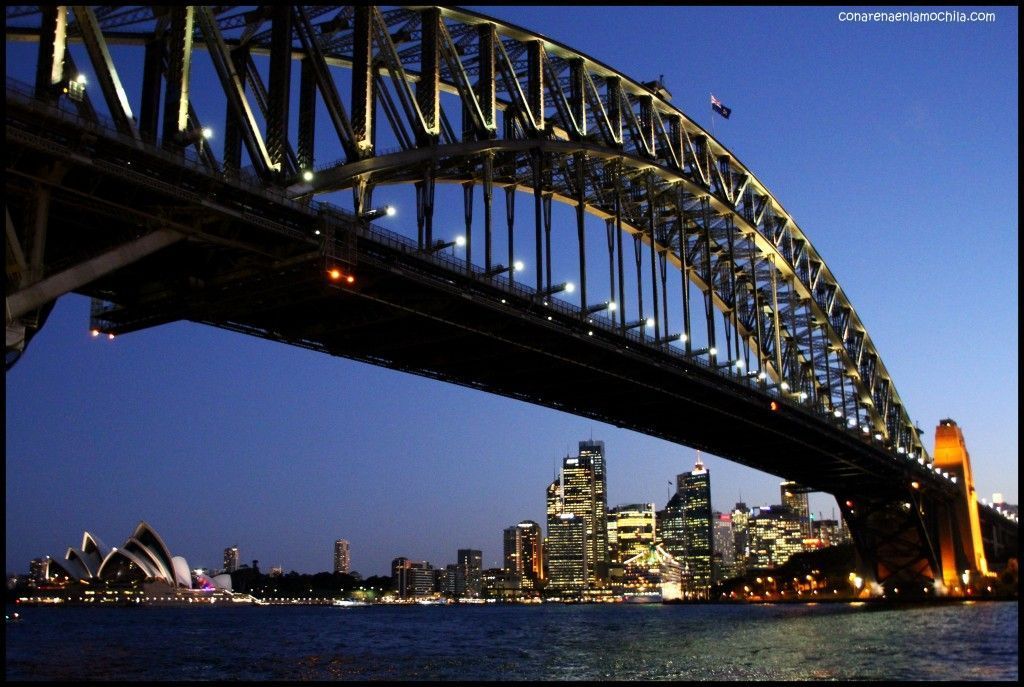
(142, 559)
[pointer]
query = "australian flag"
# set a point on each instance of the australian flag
(718, 107)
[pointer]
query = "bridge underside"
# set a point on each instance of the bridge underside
(404, 314)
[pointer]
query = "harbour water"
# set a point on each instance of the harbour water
(964, 641)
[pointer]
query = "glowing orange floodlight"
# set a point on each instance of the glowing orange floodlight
(335, 274)
(775, 406)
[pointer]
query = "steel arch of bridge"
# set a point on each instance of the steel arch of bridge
(472, 100)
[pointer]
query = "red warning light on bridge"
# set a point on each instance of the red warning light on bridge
(335, 274)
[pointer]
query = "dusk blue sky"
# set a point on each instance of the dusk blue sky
(893, 146)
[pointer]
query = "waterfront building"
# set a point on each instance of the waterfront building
(695, 487)
(524, 551)
(631, 530)
(38, 569)
(580, 491)
(470, 563)
(232, 558)
(774, 535)
(276, 570)
(740, 518)
(341, 556)
(499, 583)
(671, 527)
(412, 578)
(597, 527)
(567, 552)
(830, 532)
(794, 497)
(724, 561)
(445, 580)
(142, 561)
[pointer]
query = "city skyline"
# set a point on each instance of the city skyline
(219, 439)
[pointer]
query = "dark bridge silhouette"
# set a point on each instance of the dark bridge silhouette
(698, 311)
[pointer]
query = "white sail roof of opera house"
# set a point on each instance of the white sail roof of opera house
(143, 556)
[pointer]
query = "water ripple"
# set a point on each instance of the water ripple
(548, 642)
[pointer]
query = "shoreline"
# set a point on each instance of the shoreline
(877, 601)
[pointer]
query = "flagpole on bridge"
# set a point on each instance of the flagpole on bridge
(712, 119)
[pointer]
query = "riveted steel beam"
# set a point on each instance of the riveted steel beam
(231, 83)
(106, 72)
(179, 63)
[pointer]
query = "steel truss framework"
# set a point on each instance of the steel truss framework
(527, 113)
(438, 94)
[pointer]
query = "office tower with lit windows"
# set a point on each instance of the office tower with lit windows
(794, 497)
(412, 578)
(231, 559)
(524, 551)
(470, 563)
(740, 519)
(696, 493)
(446, 580)
(774, 535)
(597, 527)
(341, 559)
(724, 562)
(567, 552)
(580, 490)
(631, 531)
(829, 532)
(671, 527)
(38, 569)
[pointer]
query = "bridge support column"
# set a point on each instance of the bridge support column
(963, 550)
(894, 537)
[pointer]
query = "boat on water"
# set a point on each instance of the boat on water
(643, 598)
(348, 603)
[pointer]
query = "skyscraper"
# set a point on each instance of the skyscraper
(524, 550)
(795, 498)
(725, 547)
(740, 518)
(696, 493)
(671, 527)
(341, 560)
(631, 530)
(470, 564)
(567, 552)
(597, 528)
(774, 536)
(231, 559)
(580, 491)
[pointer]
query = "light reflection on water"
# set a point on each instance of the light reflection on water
(494, 642)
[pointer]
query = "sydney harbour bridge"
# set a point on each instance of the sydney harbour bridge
(219, 165)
